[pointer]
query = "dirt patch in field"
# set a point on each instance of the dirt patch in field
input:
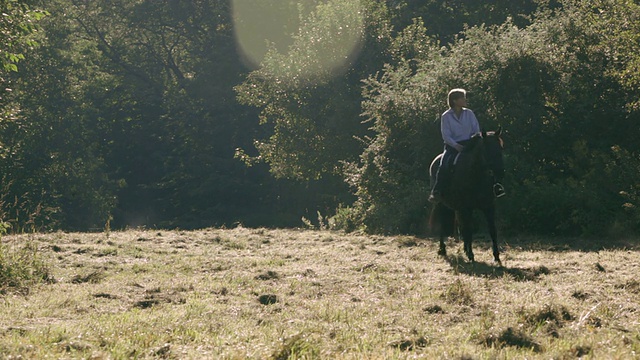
(511, 337)
(410, 344)
(151, 300)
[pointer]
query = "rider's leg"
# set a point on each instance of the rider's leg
(442, 176)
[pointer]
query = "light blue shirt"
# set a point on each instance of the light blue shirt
(455, 129)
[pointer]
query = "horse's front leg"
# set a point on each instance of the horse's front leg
(490, 215)
(467, 233)
(443, 234)
(443, 248)
(440, 217)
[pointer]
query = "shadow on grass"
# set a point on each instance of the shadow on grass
(553, 243)
(584, 244)
(459, 264)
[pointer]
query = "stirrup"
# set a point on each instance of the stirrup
(498, 190)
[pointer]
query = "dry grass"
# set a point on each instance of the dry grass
(290, 294)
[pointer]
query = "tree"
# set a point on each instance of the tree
(131, 106)
(17, 24)
(448, 19)
(54, 173)
(129, 109)
(18, 34)
(174, 124)
(309, 96)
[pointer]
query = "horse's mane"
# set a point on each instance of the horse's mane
(472, 153)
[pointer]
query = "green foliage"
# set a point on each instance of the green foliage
(615, 23)
(17, 24)
(347, 219)
(392, 180)
(135, 110)
(447, 19)
(580, 164)
(116, 118)
(57, 172)
(552, 85)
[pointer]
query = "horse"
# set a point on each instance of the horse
(470, 187)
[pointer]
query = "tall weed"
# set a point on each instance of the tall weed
(21, 268)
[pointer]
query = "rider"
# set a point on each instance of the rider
(457, 125)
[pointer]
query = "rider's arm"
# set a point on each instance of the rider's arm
(446, 124)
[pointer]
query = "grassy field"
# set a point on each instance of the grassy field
(300, 294)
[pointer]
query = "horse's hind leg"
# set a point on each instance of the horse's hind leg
(468, 248)
(490, 214)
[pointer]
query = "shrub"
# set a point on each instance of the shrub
(21, 268)
(555, 89)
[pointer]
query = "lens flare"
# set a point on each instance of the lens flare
(259, 24)
(309, 38)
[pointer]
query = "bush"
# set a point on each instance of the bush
(21, 268)
(552, 86)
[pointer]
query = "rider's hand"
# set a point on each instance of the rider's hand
(459, 147)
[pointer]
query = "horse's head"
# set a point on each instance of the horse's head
(493, 146)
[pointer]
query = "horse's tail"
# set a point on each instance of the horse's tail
(442, 220)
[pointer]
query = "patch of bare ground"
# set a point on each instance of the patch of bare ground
(289, 294)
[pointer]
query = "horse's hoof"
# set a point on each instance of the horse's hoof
(442, 252)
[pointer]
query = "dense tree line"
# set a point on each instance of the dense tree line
(200, 112)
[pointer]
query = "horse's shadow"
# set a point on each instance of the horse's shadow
(494, 271)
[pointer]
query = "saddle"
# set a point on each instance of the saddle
(469, 145)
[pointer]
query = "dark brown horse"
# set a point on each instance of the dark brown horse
(470, 187)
